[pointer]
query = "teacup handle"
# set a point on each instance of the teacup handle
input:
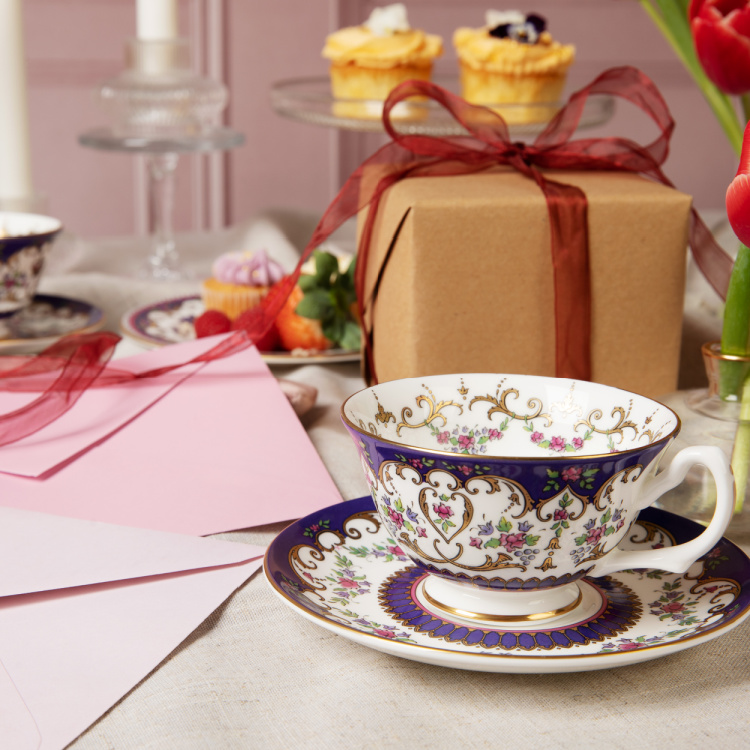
(679, 558)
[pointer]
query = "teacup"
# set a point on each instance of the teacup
(509, 489)
(24, 242)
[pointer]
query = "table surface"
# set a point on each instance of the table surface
(256, 674)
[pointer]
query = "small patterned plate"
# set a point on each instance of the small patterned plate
(339, 568)
(47, 319)
(172, 322)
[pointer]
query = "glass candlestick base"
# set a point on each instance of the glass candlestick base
(160, 107)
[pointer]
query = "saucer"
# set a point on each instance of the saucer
(339, 568)
(44, 321)
(172, 322)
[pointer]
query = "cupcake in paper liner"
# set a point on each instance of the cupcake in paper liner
(513, 60)
(369, 61)
(239, 282)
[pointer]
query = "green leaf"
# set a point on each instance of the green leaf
(504, 525)
(531, 539)
(553, 474)
(580, 540)
(351, 339)
(307, 282)
(326, 267)
(492, 543)
(315, 304)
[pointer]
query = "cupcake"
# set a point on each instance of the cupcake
(239, 281)
(369, 61)
(513, 60)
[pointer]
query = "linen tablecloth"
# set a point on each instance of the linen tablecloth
(256, 675)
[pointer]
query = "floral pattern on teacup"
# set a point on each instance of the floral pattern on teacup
(466, 416)
(19, 276)
(490, 529)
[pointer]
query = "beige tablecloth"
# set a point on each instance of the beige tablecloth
(257, 675)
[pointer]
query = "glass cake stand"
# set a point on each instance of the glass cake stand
(162, 155)
(309, 100)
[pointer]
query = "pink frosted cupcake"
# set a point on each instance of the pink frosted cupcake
(239, 281)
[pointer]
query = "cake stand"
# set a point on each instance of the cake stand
(309, 100)
(162, 155)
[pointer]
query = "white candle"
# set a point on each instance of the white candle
(15, 154)
(156, 19)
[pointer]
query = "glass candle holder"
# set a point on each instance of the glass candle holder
(715, 415)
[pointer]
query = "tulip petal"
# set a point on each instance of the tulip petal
(738, 207)
(724, 54)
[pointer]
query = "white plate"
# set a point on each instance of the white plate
(338, 568)
(172, 321)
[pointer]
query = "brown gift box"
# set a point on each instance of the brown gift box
(468, 283)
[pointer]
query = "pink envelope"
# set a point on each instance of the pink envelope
(219, 450)
(87, 610)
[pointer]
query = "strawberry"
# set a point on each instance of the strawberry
(268, 342)
(210, 323)
(296, 332)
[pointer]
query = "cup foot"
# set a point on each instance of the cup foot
(466, 602)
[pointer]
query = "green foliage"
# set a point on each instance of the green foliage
(329, 297)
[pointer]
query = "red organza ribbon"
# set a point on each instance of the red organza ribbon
(65, 370)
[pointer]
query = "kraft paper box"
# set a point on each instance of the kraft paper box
(468, 285)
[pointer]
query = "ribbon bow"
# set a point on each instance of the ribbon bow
(77, 362)
(488, 144)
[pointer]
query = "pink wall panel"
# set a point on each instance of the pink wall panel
(72, 45)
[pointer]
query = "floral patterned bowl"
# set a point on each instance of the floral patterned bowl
(519, 486)
(24, 241)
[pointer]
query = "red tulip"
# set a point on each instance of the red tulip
(721, 32)
(738, 194)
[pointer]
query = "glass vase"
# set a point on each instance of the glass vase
(714, 416)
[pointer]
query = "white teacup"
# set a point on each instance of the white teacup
(509, 489)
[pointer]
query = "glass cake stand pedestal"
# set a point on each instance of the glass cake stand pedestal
(162, 155)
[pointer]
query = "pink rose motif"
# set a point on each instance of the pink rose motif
(512, 541)
(443, 437)
(396, 517)
(577, 443)
(421, 531)
(594, 535)
(475, 541)
(395, 551)
(442, 510)
(465, 470)
(465, 442)
(314, 527)
(348, 583)
(572, 473)
(673, 607)
(384, 633)
(557, 444)
(628, 646)
(416, 463)
(537, 437)
(494, 434)
(561, 514)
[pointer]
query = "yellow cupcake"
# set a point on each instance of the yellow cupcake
(239, 282)
(513, 60)
(369, 61)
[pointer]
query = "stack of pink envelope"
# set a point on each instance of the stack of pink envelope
(101, 517)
